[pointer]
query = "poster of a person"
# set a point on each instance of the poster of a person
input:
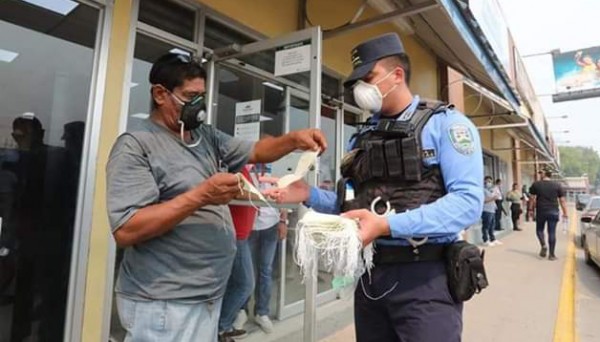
(577, 70)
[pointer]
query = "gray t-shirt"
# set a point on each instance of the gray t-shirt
(489, 207)
(151, 165)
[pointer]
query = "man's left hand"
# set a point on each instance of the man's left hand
(309, 139)
(371, 225)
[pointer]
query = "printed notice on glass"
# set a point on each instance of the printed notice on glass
(247, 120)
(292, 59)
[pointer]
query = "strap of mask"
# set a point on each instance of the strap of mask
(182, 135)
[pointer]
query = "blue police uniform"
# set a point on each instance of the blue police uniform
(410, 301)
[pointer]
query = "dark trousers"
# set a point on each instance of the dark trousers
(540, 223)
(406, 302)
(515, 210)
(498, 217)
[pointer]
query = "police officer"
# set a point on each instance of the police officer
(413, 179)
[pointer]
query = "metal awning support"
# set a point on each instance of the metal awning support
(513, 125)
(534, 162)
(513, 148)
(493, 115)
(405, 12)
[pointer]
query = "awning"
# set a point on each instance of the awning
(450, 30)
(527, 133)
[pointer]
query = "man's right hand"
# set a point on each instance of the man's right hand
(296, 192)
(221, 188)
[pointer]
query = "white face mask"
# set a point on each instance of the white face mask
(368, 96)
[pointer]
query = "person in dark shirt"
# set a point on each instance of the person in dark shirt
(545, 196)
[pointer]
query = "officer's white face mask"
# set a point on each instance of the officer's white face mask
(368, 96)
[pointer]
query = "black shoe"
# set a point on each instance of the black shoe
(225, 338)
(543, 251)
(518, 229)
(233, 334)
(552, 257)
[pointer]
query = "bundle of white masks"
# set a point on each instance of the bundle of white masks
(335, 241)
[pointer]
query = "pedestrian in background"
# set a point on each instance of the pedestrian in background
(488, 216)
(499, 205)
(546, 194)
(525, 201)
(241, 280)
(514, 197)
(270, 227)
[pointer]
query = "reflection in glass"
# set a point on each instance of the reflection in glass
(44, 100)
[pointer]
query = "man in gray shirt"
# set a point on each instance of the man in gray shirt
(489, 213)
(168, 182)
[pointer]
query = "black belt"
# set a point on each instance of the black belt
(404, 254)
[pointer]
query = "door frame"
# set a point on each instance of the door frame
(229, 56)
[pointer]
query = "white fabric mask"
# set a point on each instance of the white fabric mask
(368, 96)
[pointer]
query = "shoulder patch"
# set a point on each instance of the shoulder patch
(462, 139)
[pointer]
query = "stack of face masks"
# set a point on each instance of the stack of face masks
(333, 240)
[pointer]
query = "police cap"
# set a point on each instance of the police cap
(366, 54)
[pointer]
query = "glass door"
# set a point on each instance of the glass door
(292, 296)
(271, 87)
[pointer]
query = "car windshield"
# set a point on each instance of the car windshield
(594, 204)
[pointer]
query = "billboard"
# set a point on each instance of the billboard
(577, 74)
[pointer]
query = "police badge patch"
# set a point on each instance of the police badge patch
(462, 139)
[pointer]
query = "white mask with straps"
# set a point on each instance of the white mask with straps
(368, 96)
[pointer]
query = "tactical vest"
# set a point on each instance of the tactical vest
(387, 162)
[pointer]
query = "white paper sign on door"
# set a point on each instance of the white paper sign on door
(247, 120)
(292, 60)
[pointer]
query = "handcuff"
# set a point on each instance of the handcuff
(388, 208)
(389, 211)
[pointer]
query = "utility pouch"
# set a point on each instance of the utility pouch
(466, 272)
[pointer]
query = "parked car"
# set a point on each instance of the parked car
(591, 244)
(590, 210)
(581, 201)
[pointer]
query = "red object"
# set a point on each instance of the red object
(243, 216)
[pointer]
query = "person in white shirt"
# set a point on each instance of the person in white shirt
(270, 226)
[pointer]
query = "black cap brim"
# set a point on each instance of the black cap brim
(359, 73)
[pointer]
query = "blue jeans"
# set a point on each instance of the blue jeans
(540, 222)
(263, 244)
(239, 286)
(488, 225)
(168, 320)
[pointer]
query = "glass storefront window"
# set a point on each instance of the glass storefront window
(147, 50)
(169, 16)
(217, 35)
(46, 64)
